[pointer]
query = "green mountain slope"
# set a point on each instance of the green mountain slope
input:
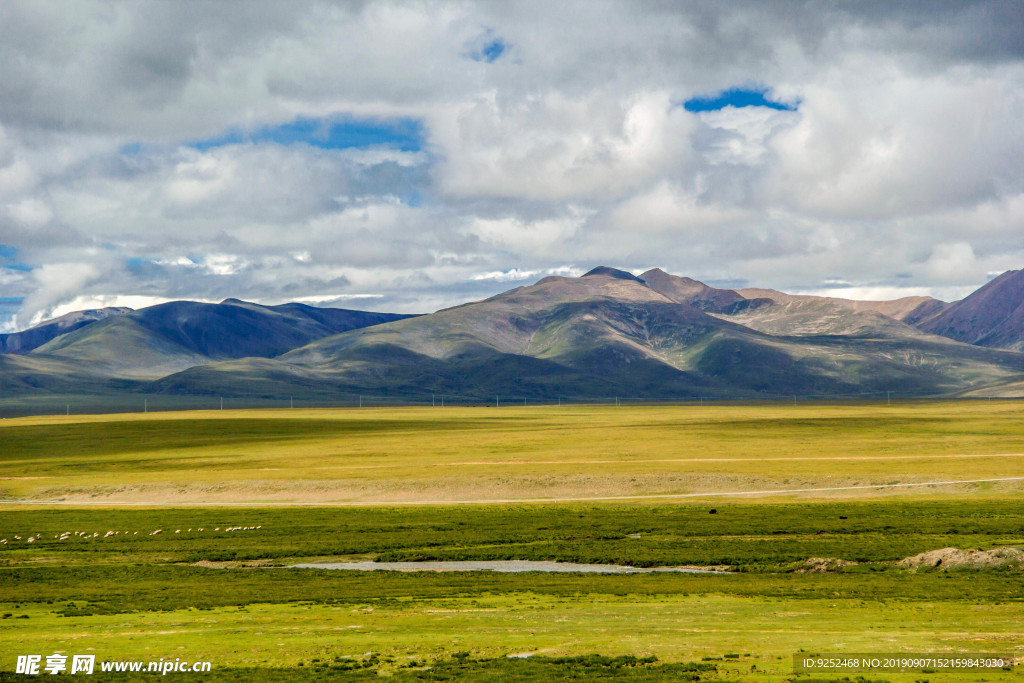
(167, 338)
(811, 316)
(22, 375)
(34, 337)
(604, 334)
(121, 347)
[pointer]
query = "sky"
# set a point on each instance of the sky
(408, 156)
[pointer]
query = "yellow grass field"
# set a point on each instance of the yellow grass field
(544, 453)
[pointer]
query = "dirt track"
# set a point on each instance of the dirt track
(628, 461)
(583, 499)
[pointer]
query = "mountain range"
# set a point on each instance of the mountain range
(607, 333)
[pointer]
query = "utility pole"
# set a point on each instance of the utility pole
(69, 409)
(145, 405)
(291, 401)
(222, 403)
(888, 398)
(442, 400)
(497, 401)
(432, 404)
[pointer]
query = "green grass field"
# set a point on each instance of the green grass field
(200, 592)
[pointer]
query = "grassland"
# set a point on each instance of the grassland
(417, 455)
(748, 537)
(201, 592)
(128, 596)
(140, 596)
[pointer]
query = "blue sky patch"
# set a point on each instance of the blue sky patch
(489, 49)
(135, 262)
(143, 265)
(736, 97)
(414, 199)
(9, 259)
(327, 133)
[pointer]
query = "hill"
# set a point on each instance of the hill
(29, 375)
(802, 316)
(604, 335)
(993, 316)
(159, 340)
(608, 333)
(34, 337)
(911, 309)
(685, 290)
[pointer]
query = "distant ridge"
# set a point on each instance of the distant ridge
(612, 272)
(609, 333)
(910, 309)
(993, 316)
(606, 333)
(685, 290)
(158, 340)
(34, 337)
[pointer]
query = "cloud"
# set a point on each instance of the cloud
(667, 209)
(951, 262)
(529, 237)
(519, 275)
(554, 147)
(392, 152)
(740, 135)
(888, 293)
(86, 302)
(909, 144)
(57, 283)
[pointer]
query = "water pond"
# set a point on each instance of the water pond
(511, 566)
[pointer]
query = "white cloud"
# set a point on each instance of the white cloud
(525, 237)
(57, 283)
(669, 209)
(951, 262)
(333, 298)
(31, 211)
(750, 129)
(887, 293)
(551, 146)
(81, 303)
(200, 177)
(900, 143)
(223, 264)
(519, 275)
(900, 168)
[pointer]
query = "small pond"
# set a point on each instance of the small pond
(501, 566)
